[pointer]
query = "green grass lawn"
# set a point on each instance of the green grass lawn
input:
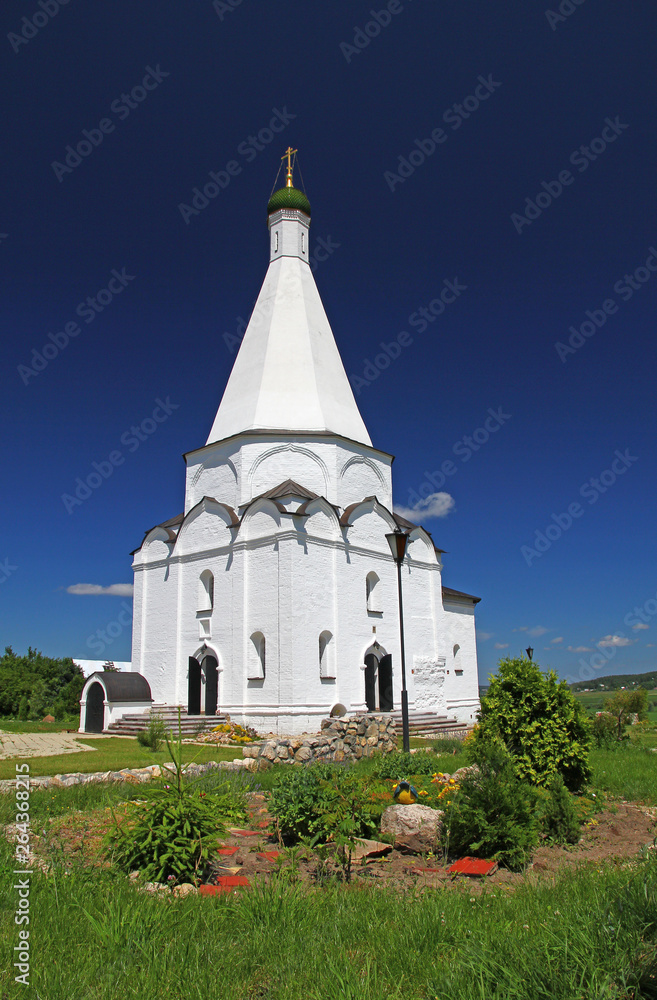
(61, 726)
(590, 934)
(113, 754)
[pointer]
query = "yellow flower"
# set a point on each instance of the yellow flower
(424, 793)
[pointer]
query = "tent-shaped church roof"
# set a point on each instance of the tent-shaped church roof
(288, 374)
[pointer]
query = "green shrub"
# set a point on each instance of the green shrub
(542, 725)
(447, 744)
(557, 813)
(321, 803)
(605, 731)
(399, 764)
(173, 833)
(154, 736)
(492, 816)
(23, 709)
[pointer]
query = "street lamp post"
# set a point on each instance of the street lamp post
(398, 540)
(530, 652)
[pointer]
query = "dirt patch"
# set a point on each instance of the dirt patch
(616, 834)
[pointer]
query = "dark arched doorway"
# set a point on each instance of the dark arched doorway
(210, 667)
(194, 687)
(95, 716)
(385, 684)
(371, 664)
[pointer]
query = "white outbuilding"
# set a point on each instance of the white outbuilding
(273, 597)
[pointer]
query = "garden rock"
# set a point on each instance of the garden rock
(415, 828)
(185, 889)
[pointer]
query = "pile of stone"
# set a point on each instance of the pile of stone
(340, 739)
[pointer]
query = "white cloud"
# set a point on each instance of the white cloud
(558, 638)
(501, 645)
(485, 635)
(649, 645)
(614, 640)
(435, 505)
(640, 625)
(114, 589)
(579, 649)
(534, 632)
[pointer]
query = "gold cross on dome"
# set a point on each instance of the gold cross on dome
(288, 154)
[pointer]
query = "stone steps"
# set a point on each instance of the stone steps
(190, 725)
(429, 723)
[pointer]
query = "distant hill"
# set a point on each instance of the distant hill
(616, 681)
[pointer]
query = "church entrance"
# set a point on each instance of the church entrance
(210, 669)
(194, 687)
(95, 715)
(378, 680)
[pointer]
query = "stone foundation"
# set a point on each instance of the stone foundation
(342, 739)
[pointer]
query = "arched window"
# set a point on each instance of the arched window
(206, 591)
(256, 657)
(326, 656)
(372, 592)
(458, 670)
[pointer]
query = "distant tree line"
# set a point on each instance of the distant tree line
(617, 681)
(35, 685)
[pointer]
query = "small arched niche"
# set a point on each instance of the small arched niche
(373, 593)
(206, 591)
(256, 657)
(326, 656)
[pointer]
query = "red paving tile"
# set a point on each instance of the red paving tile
(227, 852)
(472, 866)
(426, 871)
(269, 855)
(225, 883)
(246, 833)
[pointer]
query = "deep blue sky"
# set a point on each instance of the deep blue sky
(551, 86)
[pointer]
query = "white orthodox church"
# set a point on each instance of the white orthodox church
(273, 597)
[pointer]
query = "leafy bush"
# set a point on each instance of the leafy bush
(557, 813)
(624, 704)
(542, 725)
(44, 681)
(173, 833)
(492, 816)
(154, 736)
(447, 744)
(321, 803)
(605, 731)
(400, 764)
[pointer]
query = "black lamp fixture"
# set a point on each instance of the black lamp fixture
(529, 651)
(398, 540)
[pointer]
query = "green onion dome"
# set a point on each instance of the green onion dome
(288, 197)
